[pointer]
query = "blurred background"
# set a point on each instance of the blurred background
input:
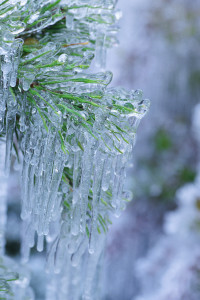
(152, 249)
(159, 54)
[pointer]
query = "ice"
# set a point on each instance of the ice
(10, 50)
(98, 177)
(33, 18)
(94, 263)
(77, 280)
(75, 134)
(10, 57)
(100, 53)
(10, 125)
(102, 28)
(40, 243)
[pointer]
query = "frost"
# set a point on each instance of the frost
(170, 271)
(75, 134)
(14, 279)
(14, 282)
(3, 195)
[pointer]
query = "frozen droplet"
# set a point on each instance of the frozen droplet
(62, 58)
(33, 17)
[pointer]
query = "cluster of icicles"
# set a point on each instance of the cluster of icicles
(76, 143)
(96, 168)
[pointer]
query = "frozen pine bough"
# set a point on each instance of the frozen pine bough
(171, 270)
(74, 133)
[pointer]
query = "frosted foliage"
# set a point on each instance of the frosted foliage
(74, 133)
(14, 279)
(170, 271)
(14, 282)
(196, 123)
(3, 194)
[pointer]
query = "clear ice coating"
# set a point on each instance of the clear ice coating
(79, 277)
(75, 134)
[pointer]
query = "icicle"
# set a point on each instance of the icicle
(60, 254)
(16, 48)
(87, 163)
(76, 213)
(96, 188)
(77, 255)
(10, 125)
(90, 289)
(107, 174)
(25, 211)
(28, 240)
(2, 108)
(40, 243)
(53, 202)
(100, 53)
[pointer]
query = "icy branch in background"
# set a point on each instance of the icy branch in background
(171, 270)
(14, 282)
(3, 195)
(196, 128)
